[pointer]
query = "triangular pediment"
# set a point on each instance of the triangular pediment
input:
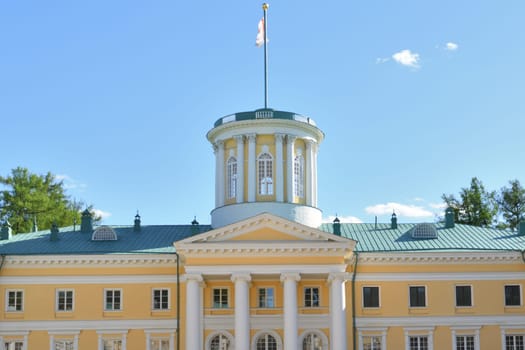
(263, 234)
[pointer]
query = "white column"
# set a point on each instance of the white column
(337, 310)
(290, 280)
(240, 168)
(314, 174)
(290, 141)
(279, 168)
(242, 310)
(252, 176)
(220, 173)
(193, 311)
(309, 173)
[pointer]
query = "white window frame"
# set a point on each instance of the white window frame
(57, 300)
(220, 333)
(14, 337)
(456, 296)
(113, 290)
(419, 332)
(155, 334)
(161, 290)
(324, 339)
(113, 335)
(311, 300)
(266, 298)
(21, 301)
(298, 176)
(511, 331)
(371, 332)
(520, 291)
(378, 297)
(265, 180)
(465, 331)
(426, 296)
(264, 332)
(232, 173)
(71, 336)
(221, 296)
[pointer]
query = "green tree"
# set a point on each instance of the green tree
(475, 206)
(511, 201)
(27, 198)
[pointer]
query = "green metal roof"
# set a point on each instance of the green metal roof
(381, 238)
(152, 239)
(159, 239)
(264, 114)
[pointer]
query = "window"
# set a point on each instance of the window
(266, 342)
(219, 342)
(417, 296)
(514, 342)
(465, 342)
(161, 299)
(298, 176)
(232, 177)
(220, 298)
(265, 163)
(15, 300)
(312, 341)
(13, 345)
(371, 343)
(64, 300)
(112, 344)
(112, 299)
(463, 296)
(418, 343)
(64, 345)
(266, 298)
(512, 295)
(370, 296)
(311, 297)
(159, 344)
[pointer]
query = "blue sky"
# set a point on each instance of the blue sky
(115, 98)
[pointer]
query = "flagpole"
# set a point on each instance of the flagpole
(265, 8)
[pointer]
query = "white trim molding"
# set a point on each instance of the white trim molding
(89, 261)
(446, 258)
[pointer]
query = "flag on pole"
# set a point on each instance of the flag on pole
(259, 41)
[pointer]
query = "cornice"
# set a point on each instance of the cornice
(102, 261)
(447, 258)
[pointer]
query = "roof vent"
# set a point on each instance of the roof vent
(195, 226)
(337, 226)
(54, 232)
(424, 231)
(104, 233)
(393, 221)
(521, 229)
(449, 217)
(136, 227)
(86, 224)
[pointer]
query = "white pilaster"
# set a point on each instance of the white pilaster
(124, 341)
(148, 341)
(252, 176)
(242, 310)
(193, 309)
(240, 168)
(314, 174)
(172, 341)
(290, 280)
(337, 311)
(309, 190)
(52, 342)
(75, 342)
(220, 190)
(290, 141)
(279, 168)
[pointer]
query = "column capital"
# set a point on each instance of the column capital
(251, 137)
(291, 138)
(241, 276)
(219, 144)
(239, 138)
(279, 137)
(197, 277)
(338, 276)
(290, 276)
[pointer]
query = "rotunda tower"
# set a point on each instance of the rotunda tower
(266, 161)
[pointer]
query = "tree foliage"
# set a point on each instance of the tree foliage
(475, 205)
(27, 198)
(511, 202)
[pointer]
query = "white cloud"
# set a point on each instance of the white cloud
(418, 199)
(441, 206)
(102, 214)
(381, 60)
(450, 46)
(70, 183)
(411, 211)
(344, 219)
(407, 58)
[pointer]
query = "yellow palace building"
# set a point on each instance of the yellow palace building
(266, 274)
